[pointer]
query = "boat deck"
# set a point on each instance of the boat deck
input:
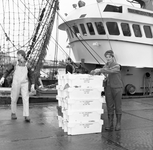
(43, 132)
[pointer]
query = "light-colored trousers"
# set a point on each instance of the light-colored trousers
(18, 88)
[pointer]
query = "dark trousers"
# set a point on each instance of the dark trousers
(113, 100)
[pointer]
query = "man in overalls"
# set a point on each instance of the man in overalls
(22, 76)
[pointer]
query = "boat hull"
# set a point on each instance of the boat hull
(133, 46)
(126, 53)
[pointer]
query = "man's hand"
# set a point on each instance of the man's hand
(95, 72)
(41, 86)
(2, 80)
(92, 72)
(32, 88)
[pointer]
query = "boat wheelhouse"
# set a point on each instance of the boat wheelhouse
(128, 31)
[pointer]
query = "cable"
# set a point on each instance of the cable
(59, 46)
(103, 21)
(106, 33)
(7, 36)
(81, 41)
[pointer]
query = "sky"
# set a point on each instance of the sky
(66, 7)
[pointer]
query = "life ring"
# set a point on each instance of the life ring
(130, 89)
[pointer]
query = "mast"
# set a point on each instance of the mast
(56, 44)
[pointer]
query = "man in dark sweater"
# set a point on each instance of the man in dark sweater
(69, 66)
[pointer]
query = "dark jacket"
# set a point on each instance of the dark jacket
(69, 68)
(11, 68)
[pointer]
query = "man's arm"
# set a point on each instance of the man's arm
(114, 69)
(31, 76)
(8, 70)
(6, 73)
(107, 70)
(40, 81)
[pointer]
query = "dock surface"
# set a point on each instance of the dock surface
(43, 133)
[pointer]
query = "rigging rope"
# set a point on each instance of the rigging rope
(7, 38)
(56, 47)
(22, 19)
(80, 40)
(106, 33)
(84, 42)
(14, 27)
(103, 21)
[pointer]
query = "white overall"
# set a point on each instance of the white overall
(20, 85)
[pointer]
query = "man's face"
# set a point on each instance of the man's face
(20, 58)
(67, 61)
(109, 58)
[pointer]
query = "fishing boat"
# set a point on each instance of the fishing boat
(126, 29)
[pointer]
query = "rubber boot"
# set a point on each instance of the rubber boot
(27, 119)
(110, 122)
(13, 116)
(118, 122)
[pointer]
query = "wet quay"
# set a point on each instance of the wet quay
(43, 133)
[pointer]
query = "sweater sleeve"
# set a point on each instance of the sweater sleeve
(8, 70)
(31, 76)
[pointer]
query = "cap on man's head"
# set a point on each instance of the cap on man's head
(22, 53)
(69, 59)
(109, 52)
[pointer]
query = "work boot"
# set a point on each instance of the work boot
(110, 122)
(118, 122)
(13, 116)
(27, 119)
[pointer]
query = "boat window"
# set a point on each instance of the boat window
(137, 30)
(83, 15)
(100, 27)
(111, 8)
(68, 33)
(90, 28)
(112, 28)
(76, 30)
(83, 29)
(148, 32)
(125, 29)
(71, 31)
